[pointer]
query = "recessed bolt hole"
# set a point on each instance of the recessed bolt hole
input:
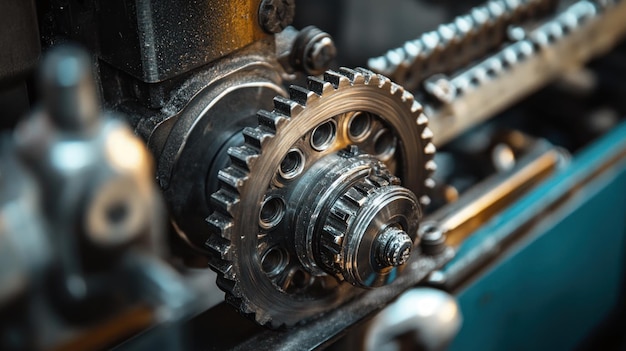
(359, 126)
(324, 135)
(292, 165)
(384, 144)
(274, 261)
(300, 279)
(272, 212)
(117, 213)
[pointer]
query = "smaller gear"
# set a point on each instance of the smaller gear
(362, 240)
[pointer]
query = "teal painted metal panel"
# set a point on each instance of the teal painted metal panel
(554, 286)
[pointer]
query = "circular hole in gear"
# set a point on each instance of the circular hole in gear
(292, 165)
(300, 279)
(324, 135)
(272, 212)
(384, 144)
(359, 126)
(274, 261)
(117, 212)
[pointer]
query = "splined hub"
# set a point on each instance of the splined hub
(354, 220)
(313, 197)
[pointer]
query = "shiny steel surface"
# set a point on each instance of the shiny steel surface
(359, 233)
(456, 44)
(314, 203)
(553, 48)
(315, 121)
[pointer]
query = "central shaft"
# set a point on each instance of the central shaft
(355, 220)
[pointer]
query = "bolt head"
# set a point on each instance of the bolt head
(276, 15)
(321, 54)
(433, 238)
(394, 247)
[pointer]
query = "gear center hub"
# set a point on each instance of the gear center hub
(354, 221)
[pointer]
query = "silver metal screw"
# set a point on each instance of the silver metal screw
(394, 247)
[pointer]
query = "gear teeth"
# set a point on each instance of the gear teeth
(396, 57)
(299, 94)
(480, 16)
(270, 120)
(224, 200)
(233, 176)
(254, 137)
(338, 80)
(430, 183)
(496, 9)
(379, 64)
(417, 107)
(219, 245)
(236, 300)
(357, 194)
(343, 213)
(369, 77)
(408, 98)
(396, 89)
(446, 33)
(412, 49)
(541, 37)
(384, 82)
(336, 228)
(355, 76)
(263, 319)
(378, 181)
(286, 106)
(234, 293)
(427, 134)
(365, 71)
(318, 86)
(458, 43)
(244, 156)
(422, 120)
(430, 149)
(219, 222)
(431, 166)
(348, 72)
(246, 309)
(223, 268)
(375, 78)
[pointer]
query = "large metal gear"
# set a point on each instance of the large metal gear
(351, 135)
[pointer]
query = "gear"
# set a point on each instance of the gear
(374, 216)
(503, 62)
(308, 152)
(458, 43)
